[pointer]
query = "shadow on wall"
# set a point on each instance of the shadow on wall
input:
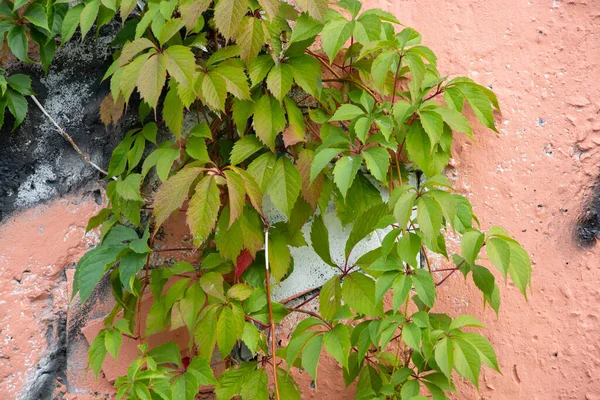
(587, 230)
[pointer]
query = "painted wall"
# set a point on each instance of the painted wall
(536, 178)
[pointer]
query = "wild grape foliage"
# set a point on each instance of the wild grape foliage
(307, 105)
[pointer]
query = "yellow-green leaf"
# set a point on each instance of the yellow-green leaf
(250, 38)
(152, 79)
(284, 186)
(203, 209)
(171, 194)
(269, 120)
(228, 15)
(236, 194)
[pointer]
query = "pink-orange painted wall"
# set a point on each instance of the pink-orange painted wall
(542, 59)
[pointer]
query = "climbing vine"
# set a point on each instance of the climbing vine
(308, 107)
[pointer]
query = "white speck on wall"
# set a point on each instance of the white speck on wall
(36, 188)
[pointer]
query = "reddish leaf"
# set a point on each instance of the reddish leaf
(243, 262)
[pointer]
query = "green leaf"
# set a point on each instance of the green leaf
(305, 68)
(242, 111)
(170, 29)
(231, 381)
(17, 105)
(203, 209)
(345, 171)
(465, 320)
(202, 371)
(337, 343)
(321, 160)
(163, 158)
(167, 353)
(306, 28)
(228, 15)
(433, 126)
(191, 11)
(498, 251)
(519, 268)
(112, 342)
(250, 336)
(36, 14)
(358, 291)
(129, 266)
(284, 186)
(226, 331)
(418, 148)
(19, 82)
(403, 208)
(88, 16)
(205, 334)
(409, 246)
(18, 43)
(448, 204)
(378, 162)
(279, 255)
(92, 266)
(279, 81)
(330, 298)
(411, 334)
(480, 104)
(455, 120)
(410, 389)
(484, 280)
(417, 68)
(319, 238)
(471, 243)
(172, 112)
(366, 223)
(191, 304)
(429, 217)
(444, 356)
(288, 389)
(195, 147)
(467, 361)
(236, 81)
(384, 284)
(484, 348)
(269, 120)
(262, 169)
(335, 34)
(464, 214)
(181, 65)
(381, 67)
(214, 90)
(311, 354)
(244, 148)
(346, 112)
(129, 188)
(97, 353)
(152, 79)
(17, 4)
(424, 286)
(240, 291)
(250, 38)
(236, 194)
(454, 98)
(256, 385)
(315, 8)
(402, 287)
(294, 133)
(259, 68)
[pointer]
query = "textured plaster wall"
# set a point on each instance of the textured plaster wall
(535, 178)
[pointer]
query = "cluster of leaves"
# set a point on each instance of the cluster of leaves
(13, 90)
(40, 20)
(278, 118)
